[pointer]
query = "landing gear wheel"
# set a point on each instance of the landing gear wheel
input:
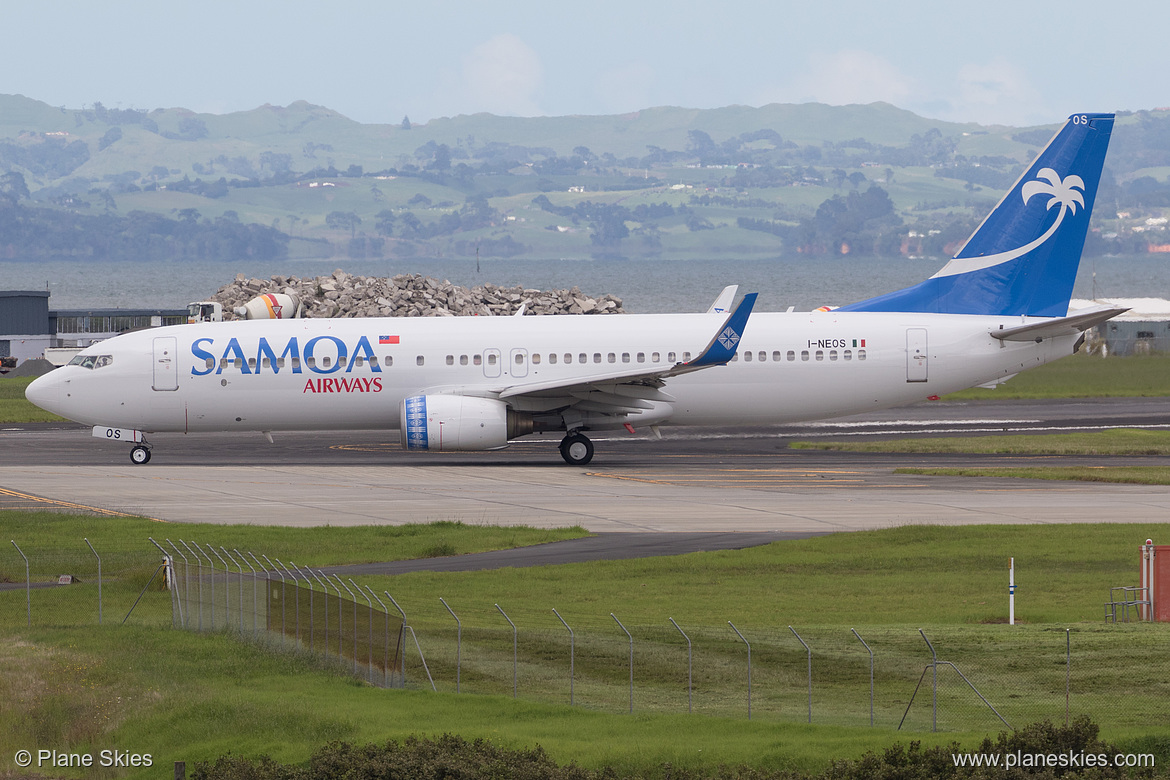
(576, 449)
(139, 455)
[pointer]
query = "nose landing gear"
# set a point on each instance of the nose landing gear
(576, 449)
(140, 454)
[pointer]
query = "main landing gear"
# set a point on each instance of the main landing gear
(140, 454)
(576, 449)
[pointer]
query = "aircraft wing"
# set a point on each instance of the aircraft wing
(1060, 326)
(632, 389)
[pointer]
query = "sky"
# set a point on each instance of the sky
(1013, 62)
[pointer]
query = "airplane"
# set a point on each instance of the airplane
(1000, 306)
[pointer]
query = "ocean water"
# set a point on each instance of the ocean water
(645, 286)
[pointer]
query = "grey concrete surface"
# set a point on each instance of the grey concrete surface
(696, 480)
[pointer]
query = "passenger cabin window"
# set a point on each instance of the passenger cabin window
(373, 360)
(655, 357)
(386, 361)
(536, 358)
(552, 357)
(686, 357)
(625, 357)
(612, 358)
(450, 360)
(463, 360)
(861, 354)
(641, 357)
(296, 362)
(847, 354)
(596, 357)
(420, 360)
(820, 354)
(311, 362)
(326, 361)
(252, 363)
(791, 355)
(477, 360)
(670, 357)
(492, 359)
(747, 356)
(804, 354)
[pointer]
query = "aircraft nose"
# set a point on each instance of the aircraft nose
(45, 392)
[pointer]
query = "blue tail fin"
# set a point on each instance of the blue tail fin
(1023, 259)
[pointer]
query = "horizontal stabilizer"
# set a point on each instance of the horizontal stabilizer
(1061, 326)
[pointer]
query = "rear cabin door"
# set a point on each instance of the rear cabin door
(916, 356)
(166, 363)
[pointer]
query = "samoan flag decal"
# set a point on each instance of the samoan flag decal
(387, 339)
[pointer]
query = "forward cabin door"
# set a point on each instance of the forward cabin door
(916, 356)
(166, 363)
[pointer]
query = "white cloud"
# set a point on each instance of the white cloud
(997, 92)
(504, 75)
(849, 76)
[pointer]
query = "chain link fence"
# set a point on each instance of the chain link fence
(967, 677)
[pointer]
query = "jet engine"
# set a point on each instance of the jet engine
(459, 423)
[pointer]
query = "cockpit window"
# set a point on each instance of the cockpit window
(92, 361)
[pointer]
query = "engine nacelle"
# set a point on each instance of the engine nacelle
(459, 423)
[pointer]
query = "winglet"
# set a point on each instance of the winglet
(725, 299)
(721, 348)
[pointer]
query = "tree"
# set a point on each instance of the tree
(112, 135)
(406, 123)
(339, 220)
(442, 161)
(385, 222)
(699, 143)
(13, 187)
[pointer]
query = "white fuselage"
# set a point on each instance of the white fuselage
(337, 374)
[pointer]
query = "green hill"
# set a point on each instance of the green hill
(666, 181)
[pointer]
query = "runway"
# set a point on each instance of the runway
(692, 481)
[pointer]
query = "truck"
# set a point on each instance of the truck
(270, 306)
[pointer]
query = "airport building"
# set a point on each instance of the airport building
(29, 328)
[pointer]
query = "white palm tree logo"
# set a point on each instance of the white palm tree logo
(1065, 193)
(1062, 191)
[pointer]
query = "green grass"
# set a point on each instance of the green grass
(1136, 475)
(15, 408)
(185, 696)
(1117, 441)
(1083, 376)
(57, 540)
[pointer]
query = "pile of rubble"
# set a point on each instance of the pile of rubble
(411, 295)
